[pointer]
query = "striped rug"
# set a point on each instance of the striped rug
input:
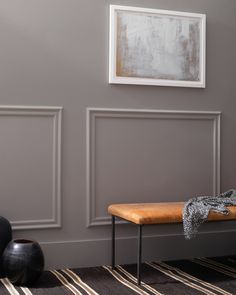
(211, 276)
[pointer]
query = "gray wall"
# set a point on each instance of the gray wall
(54, 183)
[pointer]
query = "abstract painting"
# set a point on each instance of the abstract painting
(156, 47)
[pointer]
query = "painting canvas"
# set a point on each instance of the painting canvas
(156, 47)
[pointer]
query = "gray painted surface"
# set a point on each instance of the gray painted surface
(55, 53)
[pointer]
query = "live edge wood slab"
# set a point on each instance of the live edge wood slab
(153, 213)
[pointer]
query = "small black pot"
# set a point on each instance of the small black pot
(23, 262)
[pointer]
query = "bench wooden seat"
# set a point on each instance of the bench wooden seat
(159, 213)
(154, 213)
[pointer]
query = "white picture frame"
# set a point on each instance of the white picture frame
(157, 47)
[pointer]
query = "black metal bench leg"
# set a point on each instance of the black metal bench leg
(139, 262)
(113, 249)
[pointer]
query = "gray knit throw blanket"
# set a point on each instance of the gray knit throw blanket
(196, 210)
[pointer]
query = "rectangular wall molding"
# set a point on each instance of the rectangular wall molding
(53, 115)
(95, 114)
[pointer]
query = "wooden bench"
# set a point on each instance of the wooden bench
(153, 213)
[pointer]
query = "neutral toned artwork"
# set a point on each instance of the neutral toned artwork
(157, 48)
(150, 46)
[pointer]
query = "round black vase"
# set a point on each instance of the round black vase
(23, 262)
(5, 238)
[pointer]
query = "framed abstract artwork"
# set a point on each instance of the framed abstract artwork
(156, 47)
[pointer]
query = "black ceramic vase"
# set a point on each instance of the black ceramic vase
(5, 238)
(23, 262)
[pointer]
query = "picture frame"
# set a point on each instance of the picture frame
(157, 47)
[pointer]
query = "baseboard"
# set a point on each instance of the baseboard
(87, 253)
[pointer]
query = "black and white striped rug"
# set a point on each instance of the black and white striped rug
(211, 276)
